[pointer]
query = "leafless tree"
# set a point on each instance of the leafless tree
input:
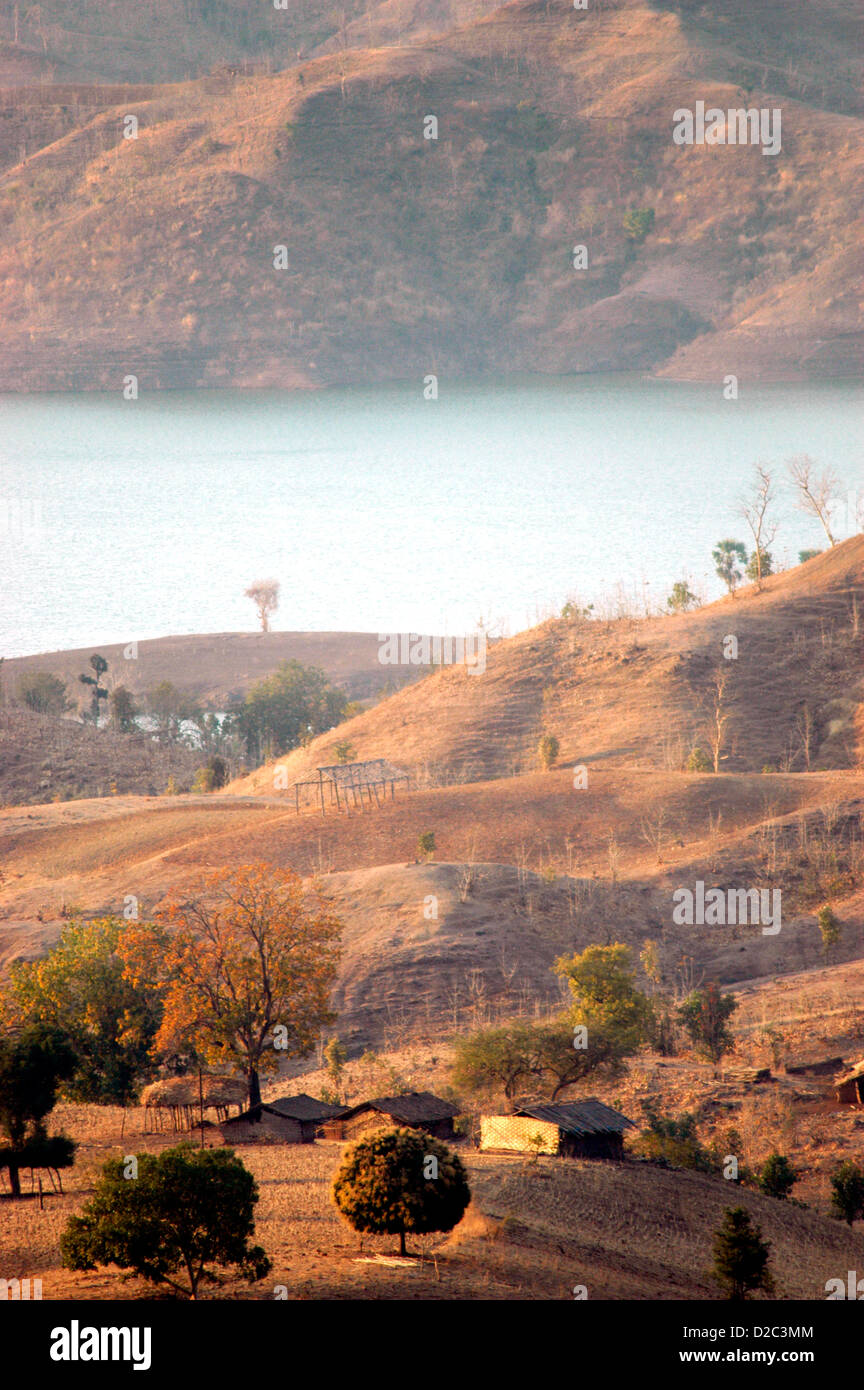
(264, 593)
(817, 491)
(754, 510)
(719, 712)
(653, 832)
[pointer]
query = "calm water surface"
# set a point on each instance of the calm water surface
(378, 510)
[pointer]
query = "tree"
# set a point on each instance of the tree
(605, 997)
(287, 708)
(777, 1177)
(182, 1210)
(741, 1255)
(98, 692)
(805, 555)
(673, 1142)
(754, 509)
(169, 708)
(401, 1181)
(847, 1192)
(760, 565)
(547, 750)
(698, 761)
(344, 751)
(718, 706)
(559, 1062)
(681, 597)
(817, 491)
(123, 710)
(335, 1055)
(727, 556)
(244, 966)
(42, 692)
(32, 1066)
(502, 1058)
(426, 844)
(705, 1014)
(80, 988)
(829, 928)
(264, 593)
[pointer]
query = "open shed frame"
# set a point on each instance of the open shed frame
(342, 785)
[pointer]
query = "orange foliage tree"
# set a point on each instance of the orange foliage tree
(244, 964)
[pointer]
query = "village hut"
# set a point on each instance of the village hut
(177, 1101)
(849, 1086)
(575, 1129)
(288, 1120)
(417, 1110)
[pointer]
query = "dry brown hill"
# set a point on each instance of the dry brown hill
(405, 255)
(219, 667)
(640, 693)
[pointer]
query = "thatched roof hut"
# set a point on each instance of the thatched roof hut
(181, 1097)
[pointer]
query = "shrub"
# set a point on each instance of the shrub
(44, 693)
(547, 750)
(638, 222)
(673, 1143)
(777, 1177)
(829, 928)
(401, 1182)
(681, 597)
(698, 761)
(705, 1014)
(847, 1192)
(426, 844)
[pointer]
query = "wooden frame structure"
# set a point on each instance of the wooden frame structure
(347, 783)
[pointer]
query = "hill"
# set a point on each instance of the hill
(156, 256)
(216, 668)
(640, 693)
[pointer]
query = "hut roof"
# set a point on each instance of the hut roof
(184, 1090)
(580, 1118)
(300, 1107)
(852, 1075)
(417, 1107)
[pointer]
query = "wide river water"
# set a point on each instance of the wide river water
(379, 510)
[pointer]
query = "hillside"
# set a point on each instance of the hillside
(218, 667)
(403, 256)
(640, 693)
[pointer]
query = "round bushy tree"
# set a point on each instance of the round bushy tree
(400, 1181)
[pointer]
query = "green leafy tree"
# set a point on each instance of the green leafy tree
(287, 709)
(98, 692)
(502, 1058)
(681, 598)
(80, 989)
(705, 1015)
(42, 692)
(829, 929)
(759, 566)
(741, 1256)
(169, 709)
(805, 555)
(728, 555)
(33, 1064)
(777, 1177)
(547, 750)
(184, 1210)
(344, 751)
(387, 1185)
(605, 997)
(847, 1192)
(335, 1055)
(123, 710)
